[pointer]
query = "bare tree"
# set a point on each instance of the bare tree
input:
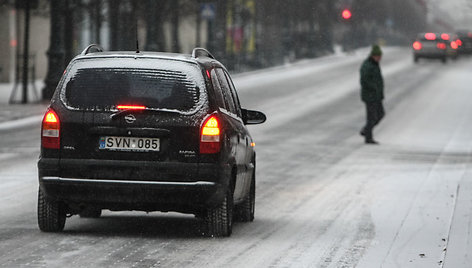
(175, 22)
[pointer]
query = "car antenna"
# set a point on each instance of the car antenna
(137, 42)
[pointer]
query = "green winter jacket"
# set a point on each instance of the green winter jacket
(371, 81)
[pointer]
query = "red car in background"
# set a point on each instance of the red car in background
(452, 44)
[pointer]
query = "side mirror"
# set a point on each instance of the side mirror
(251, 117)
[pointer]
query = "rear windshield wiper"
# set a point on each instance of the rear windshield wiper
(127, 111)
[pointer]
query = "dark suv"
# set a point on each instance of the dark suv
(147, 131)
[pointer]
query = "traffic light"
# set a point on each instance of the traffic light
(346, 14)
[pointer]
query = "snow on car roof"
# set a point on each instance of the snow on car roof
(141, 54)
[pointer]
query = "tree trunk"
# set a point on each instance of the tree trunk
(56, 48)
(155, 38)
(175, 26)
(97, 13)
(68, 32)
(127, 25)
(114, 11)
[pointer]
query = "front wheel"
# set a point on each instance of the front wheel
(51, 214)
(219, 220)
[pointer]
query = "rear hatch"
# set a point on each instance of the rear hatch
(432, 44)
(124, 115)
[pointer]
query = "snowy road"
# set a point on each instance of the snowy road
(324, 199)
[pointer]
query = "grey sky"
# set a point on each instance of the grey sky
(459, 12)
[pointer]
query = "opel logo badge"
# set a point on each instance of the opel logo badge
(130, 119)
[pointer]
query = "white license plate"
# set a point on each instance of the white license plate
(129, 144)
(429, 45)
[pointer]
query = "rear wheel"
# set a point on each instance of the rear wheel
(219, 220)
(416, 59)
(245, 211)
(51, 214)
(444, 60)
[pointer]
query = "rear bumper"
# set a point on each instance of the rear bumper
(430, 55)
(183, 187)
(128, 170)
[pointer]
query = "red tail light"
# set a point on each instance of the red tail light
(50, 131)
(441, 46)
(430, 36)
(346, 14)
(454, 45)
(417, 45)
(459, 42)
(444, 36)
(210, 136)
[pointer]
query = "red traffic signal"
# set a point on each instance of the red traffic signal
(346, 14)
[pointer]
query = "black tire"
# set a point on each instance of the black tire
(246, 210)
(90, 213)
(219, 220)
(444, 60)
(51, 214)
(416, 59)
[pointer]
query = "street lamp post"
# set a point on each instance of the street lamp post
(24, 99)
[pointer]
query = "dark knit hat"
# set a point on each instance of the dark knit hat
(376, 51)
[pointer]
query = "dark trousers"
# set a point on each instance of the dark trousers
(375, 113)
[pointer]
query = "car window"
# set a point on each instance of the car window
(234, 94)
(225, 88)
(430, 41)
(217, 89)
(101, 86)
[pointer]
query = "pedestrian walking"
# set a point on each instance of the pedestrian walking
(372, 86)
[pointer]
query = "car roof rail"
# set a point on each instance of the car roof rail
(199, 51)
(91, 48)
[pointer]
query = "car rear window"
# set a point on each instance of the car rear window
(154, 83)
(426, 40)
